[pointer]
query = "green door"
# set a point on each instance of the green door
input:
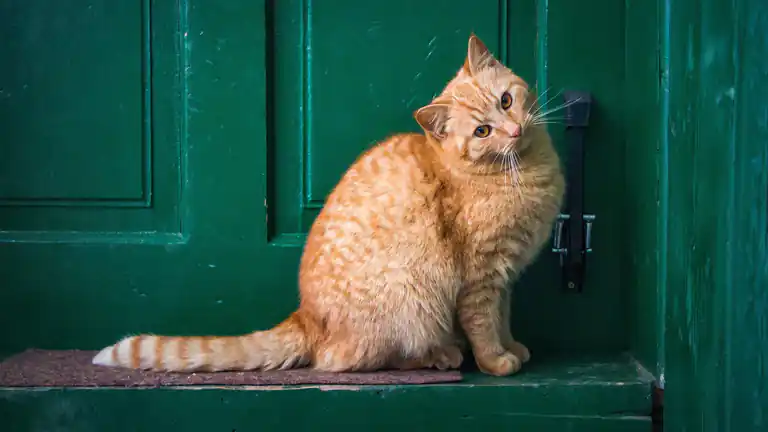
(161, 163)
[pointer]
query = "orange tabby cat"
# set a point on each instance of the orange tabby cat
(414, 249)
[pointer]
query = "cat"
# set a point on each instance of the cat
(409, 262)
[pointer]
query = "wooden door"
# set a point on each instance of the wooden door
(162, 162)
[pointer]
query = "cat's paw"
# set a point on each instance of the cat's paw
(519, 350)
(447, 357)
(500, 365)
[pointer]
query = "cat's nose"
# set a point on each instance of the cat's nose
(516, 131)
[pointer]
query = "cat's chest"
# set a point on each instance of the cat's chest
(495, 215)
(495, 234)
(499, 227)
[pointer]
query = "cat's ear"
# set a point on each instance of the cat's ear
(432, 118)
(478, 56)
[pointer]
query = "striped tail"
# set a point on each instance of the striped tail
(282, 347)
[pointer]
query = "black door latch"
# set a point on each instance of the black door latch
(572, 235)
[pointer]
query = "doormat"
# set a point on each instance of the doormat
(73, 368)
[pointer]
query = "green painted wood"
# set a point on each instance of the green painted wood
(717, 338)
(81, 274)
(644, 204)
(80, 134)
(297, 409)
(91, 46)
(249, 112)
(607, 393)
(205, 151)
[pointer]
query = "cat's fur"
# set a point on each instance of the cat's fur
(414, 249)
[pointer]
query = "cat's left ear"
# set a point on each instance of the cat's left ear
(479, 57)
(432, 118)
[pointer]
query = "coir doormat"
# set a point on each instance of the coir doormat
(73, 368)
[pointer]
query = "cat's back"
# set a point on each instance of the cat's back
(397, 173)
(383, 214)
(388, 197)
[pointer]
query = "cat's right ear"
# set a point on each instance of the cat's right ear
(432, 118)
(479, 57)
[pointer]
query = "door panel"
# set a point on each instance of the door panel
(190, 255)
(66, 61)
(89, 107)
(234, 133)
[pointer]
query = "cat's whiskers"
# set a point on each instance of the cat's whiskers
(535, 103)
(496, 158)
(504, 168)
(542, 116)
(511, 171)
(514, 192)
(515, 167)
(551, 118)
(541, 106)
(539, 97)
(548, 121)
(520, 180)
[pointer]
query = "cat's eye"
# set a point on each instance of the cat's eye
(506, 100)
(482, 131)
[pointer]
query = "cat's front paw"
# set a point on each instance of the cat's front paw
(447, 357)
(443, 358)
(519, 350)
(504, 364)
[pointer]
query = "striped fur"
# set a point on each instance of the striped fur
(283, 347)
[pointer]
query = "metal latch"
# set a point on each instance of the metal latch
(572, 236)
(559, 246)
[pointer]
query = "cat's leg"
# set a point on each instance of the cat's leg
(480, 315)
(509, 342)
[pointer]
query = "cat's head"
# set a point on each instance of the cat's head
(483, 112)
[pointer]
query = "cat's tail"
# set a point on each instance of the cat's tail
(283, 347)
